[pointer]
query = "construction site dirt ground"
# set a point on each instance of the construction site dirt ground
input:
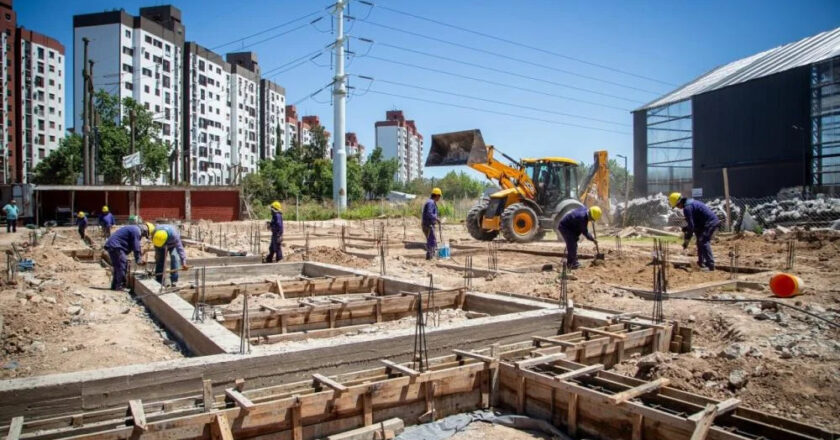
(60, 317)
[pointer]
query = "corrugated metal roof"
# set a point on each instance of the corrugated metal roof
(809, 50)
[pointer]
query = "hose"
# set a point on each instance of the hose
(762, 301)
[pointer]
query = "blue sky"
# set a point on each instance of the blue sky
(670, 41)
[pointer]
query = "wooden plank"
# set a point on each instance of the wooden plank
(367, 409)
(723, 407)
(520, 396)
(638, 426)
(323, 380)
(393, 366)
(15, 428)
(240, 399)
(221, 428)
(135, 408)
(579, 372)
(634, 392)
(471, 355)
(280, 288)
(297, 427)
(390, 426)
(704, 423)
(572, 413)
(540, 360)
(596, 331)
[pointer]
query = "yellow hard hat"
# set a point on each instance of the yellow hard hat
(151, 228)
(160, 237)
(437, 192)
(674, 198)
(595, 213)
(80, 214)
(105, 208)
(277, 206)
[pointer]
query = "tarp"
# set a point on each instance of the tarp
(449, 426)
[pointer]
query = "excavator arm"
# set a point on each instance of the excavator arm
(507, 176)
(596, 186)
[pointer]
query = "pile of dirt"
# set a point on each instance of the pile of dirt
(329, 255)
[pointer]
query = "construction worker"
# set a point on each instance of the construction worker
(572, 225)
(167, 240)
(429, 220)
(81, 222)
(276, 226)
(106, 221)
(118, 246)
(701, 222)
(11, 210)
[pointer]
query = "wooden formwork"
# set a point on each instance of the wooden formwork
(582, 399)
(222, 293)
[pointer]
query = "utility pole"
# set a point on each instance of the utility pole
(131, 120)
(91, 124)
(85, 115)
(626, 190)
(339, 98)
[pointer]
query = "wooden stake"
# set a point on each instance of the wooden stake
(15, 428)
(135, 407)
(704, 423)
(297, 428)
(400, 368)
(323, 380)
(367, 408)
(520, 396)
(638, 426)
(221, 428)
(572, 415)
(634, 392)
(240, 399)
(726, 194)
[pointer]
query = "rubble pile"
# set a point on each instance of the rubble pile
(797, 211)
(652, 211)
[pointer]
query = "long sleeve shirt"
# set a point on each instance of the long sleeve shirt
(126, 239)
(107, 219)
(82, 222)
(276, 223)
(174, 241)
(576, 222)
(430, 213)
(698, 217)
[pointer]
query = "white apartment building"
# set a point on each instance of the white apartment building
(41, 98)
(138, 57)
(400, 139)
(245, 113)
(207, 116)
(272, 119)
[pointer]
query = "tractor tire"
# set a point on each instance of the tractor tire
(473, 222)
(520, 223)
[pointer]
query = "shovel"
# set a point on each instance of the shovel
(598, 254)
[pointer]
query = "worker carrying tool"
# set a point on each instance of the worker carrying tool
(82, 223)
(118, 246)
(429, 220)
(167, 240)
(572, 225)
(275, 246)
(106, 221)
(701, 222)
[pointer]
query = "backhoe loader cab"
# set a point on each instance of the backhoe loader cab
(534, 195)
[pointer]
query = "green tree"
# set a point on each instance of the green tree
(318, 148)
(62, 166)
(618, 177)
(355, 191)
(113, 137)
(378, 174)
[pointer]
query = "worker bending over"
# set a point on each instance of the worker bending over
(429, 220)
(167, 240)
(276, 225)
(572, 225)
(106, 221)
(701, 222)
(82, 223)
(118, 246)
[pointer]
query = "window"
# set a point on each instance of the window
(40, 67)
(146, 89)
(825, 125)
(127, 68)
(128, 51)
(127, 33)
(52, 124)
(40, 53)
(166, 65)
(201, 65)
(147, 72)
(157, 59)
(146, 55)
(41, 152)
(52, 68)
(52, 82)
(52, 138)
(670, 148)
(166, 82)
(148, 39)
(129, 86)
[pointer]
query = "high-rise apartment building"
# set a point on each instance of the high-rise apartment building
(400, 139)
(32, 98)
(351, 143)
(245, 113)
(207, 116)
(272, 119)
(139, 57)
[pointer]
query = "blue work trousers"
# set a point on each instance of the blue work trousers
(275, 247)
(705, 258)
(431, 241)
(119, 265)
(174, 264)
(571, 240)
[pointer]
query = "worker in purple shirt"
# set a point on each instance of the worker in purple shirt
(429, 220)
(574, 224)
(276, 226)
(82, 223)
(119, 245)
(106, 221)
(701, 222)
(167, 240)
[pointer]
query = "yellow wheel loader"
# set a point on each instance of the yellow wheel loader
(534, 195)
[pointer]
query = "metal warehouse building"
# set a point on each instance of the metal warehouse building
(772, 119)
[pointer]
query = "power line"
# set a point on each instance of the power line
(516, 43)
(508, 57)
(303, 17)
(305, 58)
(495, 83)
(493, 101)
(273, 36)
(313, 94)
(514, 115)
(493, 69)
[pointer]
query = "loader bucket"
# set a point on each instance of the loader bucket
(457, 148)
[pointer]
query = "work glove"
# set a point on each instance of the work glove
(685, 244)
(185, 267)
